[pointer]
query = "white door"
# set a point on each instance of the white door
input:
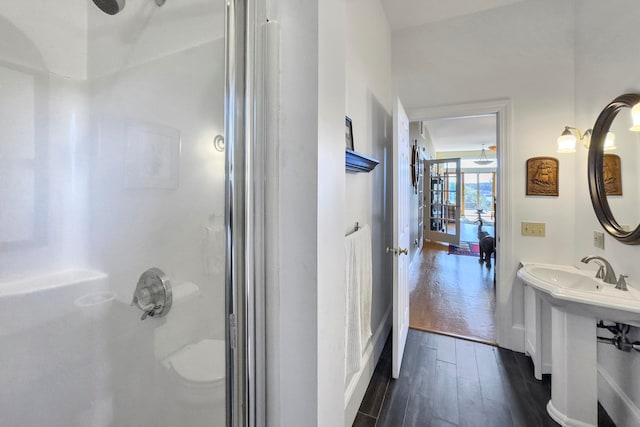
(400, 249)
(443, 199)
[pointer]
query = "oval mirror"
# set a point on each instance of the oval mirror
(614, 159)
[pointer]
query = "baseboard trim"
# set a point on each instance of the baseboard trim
(415, 257)
(510, 336)
(357, 387)
(517, 338)
(562, 419)
(615, 401)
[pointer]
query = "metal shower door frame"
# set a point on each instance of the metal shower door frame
(244, 217)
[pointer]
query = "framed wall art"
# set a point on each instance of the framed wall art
(542, 176)
(348, 133)
(612, 175)
(152, 156)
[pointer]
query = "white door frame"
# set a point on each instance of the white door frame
(508, 335)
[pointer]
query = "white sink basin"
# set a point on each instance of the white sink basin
(578, 291)
(565, 278)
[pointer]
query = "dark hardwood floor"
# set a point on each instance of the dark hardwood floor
(446, 381)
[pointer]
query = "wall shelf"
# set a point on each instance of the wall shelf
(356, 162)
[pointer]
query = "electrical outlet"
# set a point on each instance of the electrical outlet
(598, 239)
(536, 229)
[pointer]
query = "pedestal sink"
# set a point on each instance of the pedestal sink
(578, 291)
(578, 301)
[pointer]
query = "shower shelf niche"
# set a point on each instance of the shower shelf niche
(356, 162)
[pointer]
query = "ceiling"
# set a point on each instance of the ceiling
(462, 133)
(410, 13)
(453, 134)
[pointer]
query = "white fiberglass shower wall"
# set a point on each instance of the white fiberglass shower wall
(108, 167)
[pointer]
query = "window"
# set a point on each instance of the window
(479, 191)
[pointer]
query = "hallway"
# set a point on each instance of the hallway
(452, 294)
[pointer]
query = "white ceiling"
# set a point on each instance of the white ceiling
(410, 13)
(462, 133)
(454, 134)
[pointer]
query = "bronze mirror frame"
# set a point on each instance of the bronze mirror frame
(595, 170)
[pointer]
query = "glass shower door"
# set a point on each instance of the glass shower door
(112, 163)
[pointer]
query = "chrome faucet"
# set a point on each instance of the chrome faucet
(609, 275)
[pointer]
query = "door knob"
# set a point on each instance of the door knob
(403, 251)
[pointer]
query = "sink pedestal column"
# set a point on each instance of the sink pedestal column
(574, 371)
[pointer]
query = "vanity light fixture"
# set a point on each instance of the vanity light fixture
(483, 158)
(567, 140)
(635, 117)
(570, 135)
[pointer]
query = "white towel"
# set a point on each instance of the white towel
(358, 297)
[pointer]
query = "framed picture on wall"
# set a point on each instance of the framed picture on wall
(348, 133)
(542, 176)
(612, 175)
(153, 156)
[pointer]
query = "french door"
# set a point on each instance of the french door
(443, 197)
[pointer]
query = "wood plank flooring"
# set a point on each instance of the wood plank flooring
(452, 294)
(447, 382)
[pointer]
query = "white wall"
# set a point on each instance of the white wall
(523, 52)
(292, 296)
(606, 68)
(57, 29)
(143, 32)
(369, 104)
(43, 152)
(368, 78)
(331, 199)
(305, 295)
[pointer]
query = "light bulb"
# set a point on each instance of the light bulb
(635, 117)
(567, 142)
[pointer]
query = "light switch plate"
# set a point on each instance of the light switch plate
(536, 229)
(598, 239)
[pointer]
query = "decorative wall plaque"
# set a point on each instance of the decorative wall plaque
(542, 176)
(612, 175)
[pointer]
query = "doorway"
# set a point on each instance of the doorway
(452, 287)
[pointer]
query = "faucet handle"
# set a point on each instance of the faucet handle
(622, 283)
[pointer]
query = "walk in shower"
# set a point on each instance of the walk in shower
(114, 218)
